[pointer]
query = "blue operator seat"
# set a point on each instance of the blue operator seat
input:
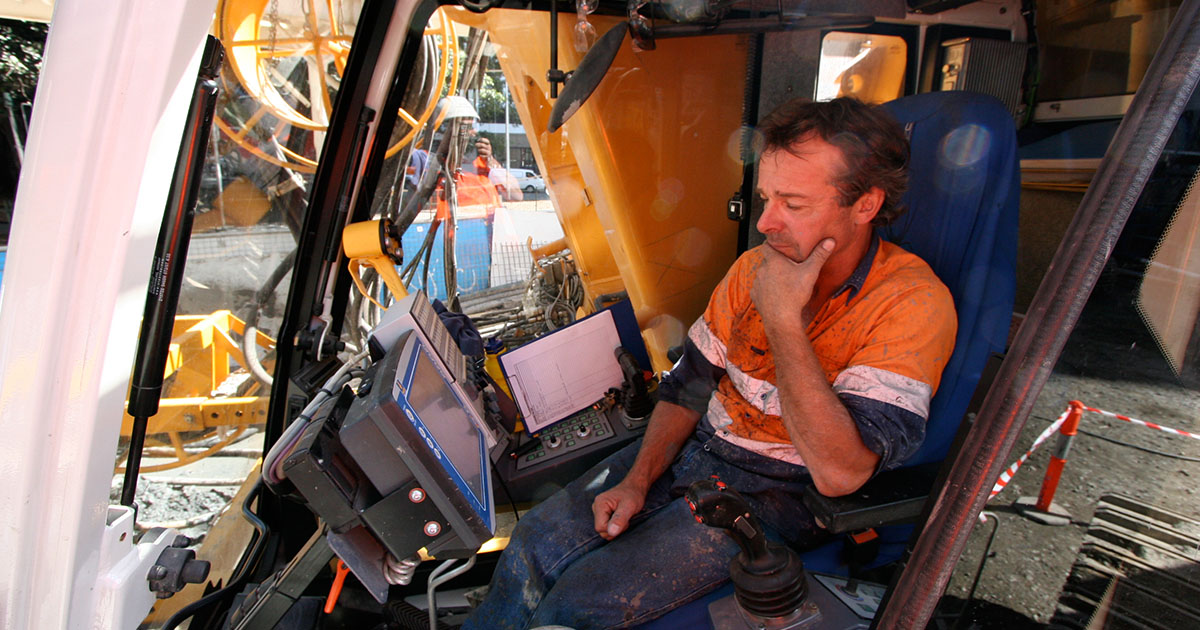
(964, 187)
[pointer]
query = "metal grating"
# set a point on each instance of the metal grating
(990, 66)
(1138, 568)
(256, 243)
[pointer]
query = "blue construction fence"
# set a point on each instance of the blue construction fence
(481, 263)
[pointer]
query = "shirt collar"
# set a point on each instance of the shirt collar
(854, 283)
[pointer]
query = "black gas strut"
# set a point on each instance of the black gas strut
(166, 271)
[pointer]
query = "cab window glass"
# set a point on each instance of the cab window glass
(283, 66)
(21, 44)
(461, 183)
(868, 66)
(1125, 496)
(1098, 49)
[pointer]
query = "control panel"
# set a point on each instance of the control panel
(576, 433)
(533, 468)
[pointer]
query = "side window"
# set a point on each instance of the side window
(868, 66)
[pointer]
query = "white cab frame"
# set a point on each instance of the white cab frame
(107, 122)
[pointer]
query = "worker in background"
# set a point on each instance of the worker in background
(488, 166)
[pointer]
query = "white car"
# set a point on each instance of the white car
(529, 181)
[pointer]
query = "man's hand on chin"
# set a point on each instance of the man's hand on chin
(782, 287)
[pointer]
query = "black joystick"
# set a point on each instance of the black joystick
(768, 578)
(637, 403)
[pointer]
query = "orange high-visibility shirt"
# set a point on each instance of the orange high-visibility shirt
(882, 341)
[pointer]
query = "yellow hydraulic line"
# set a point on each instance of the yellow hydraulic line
(296, 156)
(333, 23)
(308, 167)
(408, 119)
(253, 120)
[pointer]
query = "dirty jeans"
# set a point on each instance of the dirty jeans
(558, 570)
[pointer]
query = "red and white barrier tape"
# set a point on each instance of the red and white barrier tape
(1151, 425)
(1007, 475)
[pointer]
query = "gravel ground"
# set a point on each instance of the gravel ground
(1110, 363)
(189, 498)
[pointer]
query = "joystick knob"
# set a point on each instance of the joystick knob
(768, 578)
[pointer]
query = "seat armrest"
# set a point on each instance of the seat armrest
(889, 498)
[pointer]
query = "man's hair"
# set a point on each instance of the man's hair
(872, 144)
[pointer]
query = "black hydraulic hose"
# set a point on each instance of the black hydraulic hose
(1143, 449)
(987, 551)
(409, 271)
(241, 573)
(166, 271)
(250, 332)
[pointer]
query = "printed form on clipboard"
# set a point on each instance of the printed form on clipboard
(565, 371)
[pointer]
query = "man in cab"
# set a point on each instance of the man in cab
(813, 365)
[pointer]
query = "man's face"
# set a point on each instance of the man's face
(801, 202)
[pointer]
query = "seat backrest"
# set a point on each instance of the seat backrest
(962, 199)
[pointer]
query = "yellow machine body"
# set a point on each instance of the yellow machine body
(659, 234)
(203, 395)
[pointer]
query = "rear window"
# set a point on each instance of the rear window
(867, 66)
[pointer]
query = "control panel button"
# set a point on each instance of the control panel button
(570, 436)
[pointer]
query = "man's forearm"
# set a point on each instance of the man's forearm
(821, 428)
(670, 427)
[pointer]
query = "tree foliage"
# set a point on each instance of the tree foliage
(21, 46)
(490, 95)
(492, 100)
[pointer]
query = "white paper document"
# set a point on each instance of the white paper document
(565, 371)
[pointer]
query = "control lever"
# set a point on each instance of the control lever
(768, 578)
(637, 403)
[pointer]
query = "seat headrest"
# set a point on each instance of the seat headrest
(961, 218)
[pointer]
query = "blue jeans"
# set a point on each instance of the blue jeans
(558, 570)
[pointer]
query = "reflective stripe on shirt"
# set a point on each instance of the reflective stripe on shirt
(886, 387)
(709, 345)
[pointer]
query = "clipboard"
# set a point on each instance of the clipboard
(557, 375)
